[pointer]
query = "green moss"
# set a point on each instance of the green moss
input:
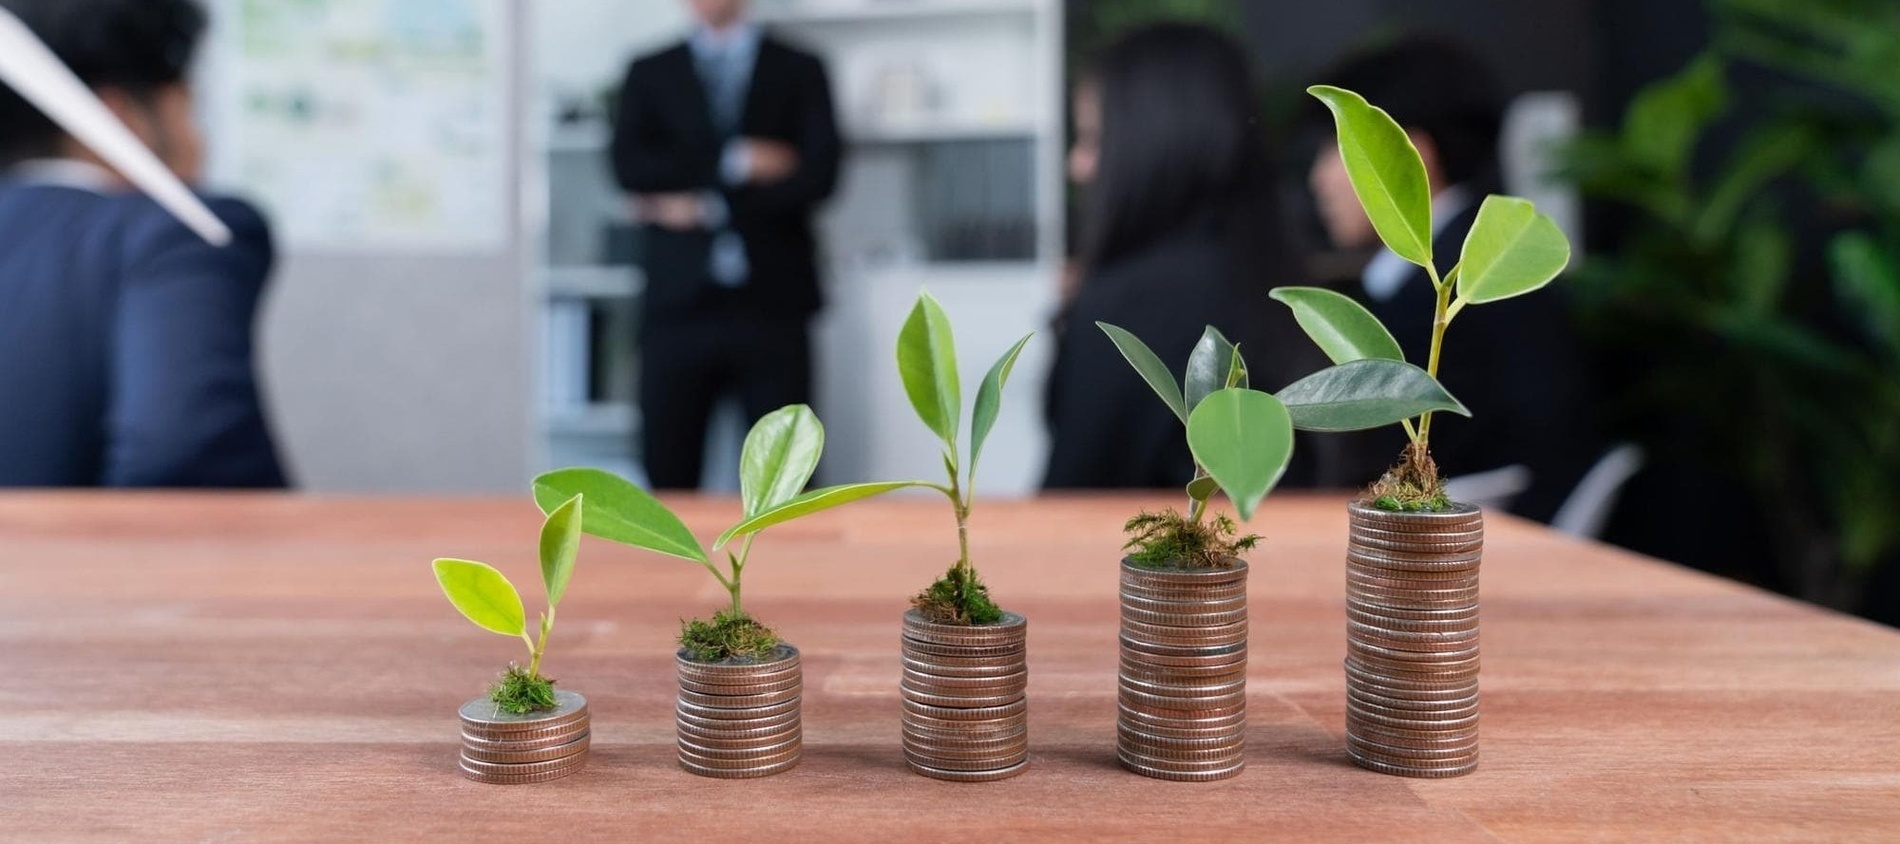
(1412, 486)
(1169, 540)
(958, 597)
(729, 636)
(520, 692)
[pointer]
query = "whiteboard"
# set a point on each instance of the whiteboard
(364, 125)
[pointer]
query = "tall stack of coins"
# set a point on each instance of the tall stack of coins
(739, 720)
(506, 749)
(1412, 640)
(965, 688)
(1183, 672)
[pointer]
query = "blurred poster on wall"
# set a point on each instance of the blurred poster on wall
(365, 125)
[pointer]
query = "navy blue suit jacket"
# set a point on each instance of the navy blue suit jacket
(125, 344)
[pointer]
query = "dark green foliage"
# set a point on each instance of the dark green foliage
(1748, 315)
(520, 691)
(958, 597)
(729, 636)
(1169, 540)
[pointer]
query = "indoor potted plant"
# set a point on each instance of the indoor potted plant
(1183, 680)
(740, 684)
(965, 672)
(524, 730)
(1413, 554)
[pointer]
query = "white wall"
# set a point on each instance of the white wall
(393, 372)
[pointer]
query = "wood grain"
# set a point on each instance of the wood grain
(236, 667)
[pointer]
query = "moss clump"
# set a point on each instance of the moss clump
(1411, 486)
(958, 597)
(520, 692)
(1169, 540)
(729, 636)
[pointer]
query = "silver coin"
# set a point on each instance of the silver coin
(482, 717)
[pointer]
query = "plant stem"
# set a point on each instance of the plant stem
(1197, 506)
(962, 507)
(1440, 319)
(738, 569)
(539, 648)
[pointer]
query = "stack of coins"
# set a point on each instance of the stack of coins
(1183, 672)
(504, 748)
(965, 688)
(1412, 640)
(739, 720)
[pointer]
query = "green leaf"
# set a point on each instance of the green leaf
(1365, 394)
(1881, 173)
(1209, 367)
(1202, 488)
(618, 511)
(560, 544)
(1386, 173)
(927, 360)
(1764, 155)
(483, 595)
(1663, 121)
(1759, 267)
(1149, 366)
(781, 451)
(989, 399)
(1867, 282)
(1343, 328)
(1236, 369)
(809, 503)
(1244, 439)
(1511, 250)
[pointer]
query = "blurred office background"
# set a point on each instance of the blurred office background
(454, 311)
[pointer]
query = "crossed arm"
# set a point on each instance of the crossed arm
(686, 189)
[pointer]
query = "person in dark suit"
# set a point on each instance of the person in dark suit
(125, 340)
(1517, 364)
(728, 143)
(1179, 235)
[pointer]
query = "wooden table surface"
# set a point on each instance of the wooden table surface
(229, 668)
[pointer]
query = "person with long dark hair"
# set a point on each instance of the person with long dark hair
(1179, 234)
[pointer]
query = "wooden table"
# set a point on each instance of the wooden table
(233, 668)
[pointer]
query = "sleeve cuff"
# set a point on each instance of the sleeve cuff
(735, 163)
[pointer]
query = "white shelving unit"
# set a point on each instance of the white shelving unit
(922, 88)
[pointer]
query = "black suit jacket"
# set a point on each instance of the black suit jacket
(665, 140)
(1517, 364)
(125, 344)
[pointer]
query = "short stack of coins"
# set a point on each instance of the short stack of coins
(507, 749)
(1412, 640)
(740, 720)
(1183, 672)
(965, 689)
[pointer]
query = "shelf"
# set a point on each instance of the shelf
(872, 11)
(606, 281)
(929, 131)
(601, 419)
(589, 137)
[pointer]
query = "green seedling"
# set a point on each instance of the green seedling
(1242, 439)
(927, 362)
(780, 454)
(485, 597)
(1511, 250)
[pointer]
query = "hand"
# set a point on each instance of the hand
(769, 161)
(676, 211)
